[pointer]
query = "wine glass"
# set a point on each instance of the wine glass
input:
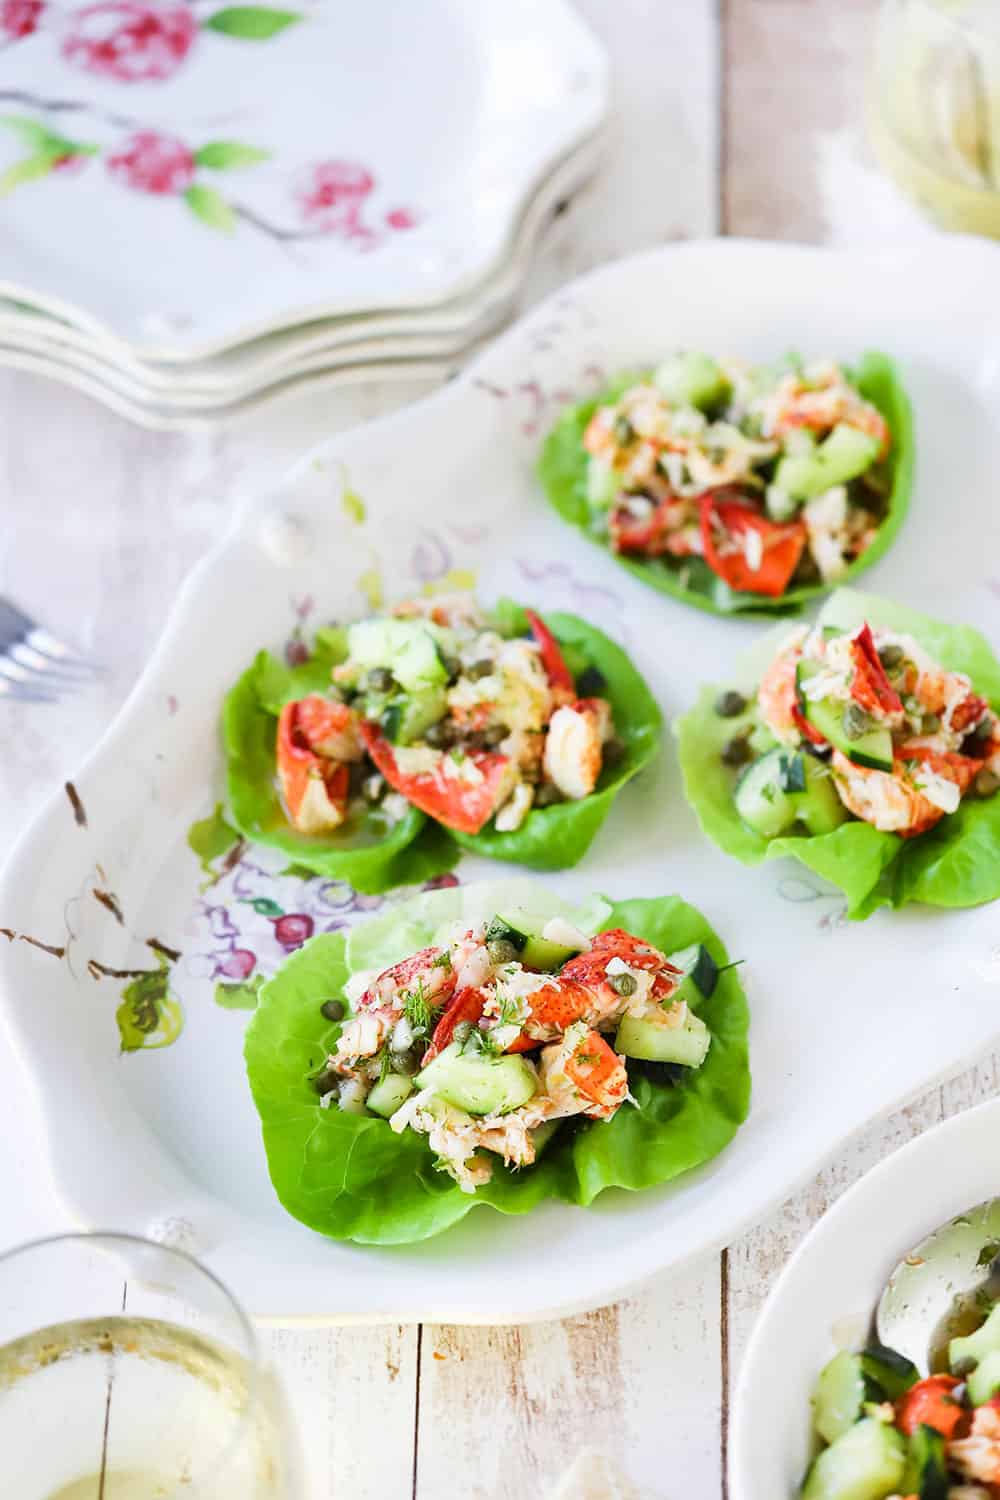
(128, 1372)
(934, 110)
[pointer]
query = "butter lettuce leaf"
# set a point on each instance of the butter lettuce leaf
(552, 838)
(368, 851)
(955, 864)
(374, 855)
(351, 1177)
(562, 469)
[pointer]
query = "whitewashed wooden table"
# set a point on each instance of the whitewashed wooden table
(739, 117)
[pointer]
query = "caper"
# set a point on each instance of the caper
(729, 704)
(494, 735)
(890, 657)
(982, 731)
(736, 752)
(501, 950)
(453, 667)
(547, 795)
(462, 1032)
(624, 984)
(855, 722)
(481, 668)
(380, 680)
(404, 1062)
(326, 1081)
(591, 683)
(931, 722)
(624, 431)
(614, 751)
(986, 783)
(436, 735)
(333, 1010)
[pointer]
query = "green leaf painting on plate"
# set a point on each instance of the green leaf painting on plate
(251, 23)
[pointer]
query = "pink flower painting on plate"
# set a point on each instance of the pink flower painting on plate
(130, 41)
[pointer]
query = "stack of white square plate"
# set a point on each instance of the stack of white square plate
(209, 204)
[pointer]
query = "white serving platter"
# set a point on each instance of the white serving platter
(448, 126)
(847, 1018)
(824, 1298)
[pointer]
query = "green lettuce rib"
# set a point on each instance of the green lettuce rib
(955, 864)
(562, 469)
(351, 1177)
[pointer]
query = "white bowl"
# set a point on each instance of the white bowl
(826, 1294)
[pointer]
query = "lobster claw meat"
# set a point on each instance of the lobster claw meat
(870, 687)
(314, 787)
(463, 796)
(559, 675)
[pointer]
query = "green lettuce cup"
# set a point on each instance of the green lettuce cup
(370, 851)
(350, 1177)
(562, 469)
(955, 864)
(553, 838)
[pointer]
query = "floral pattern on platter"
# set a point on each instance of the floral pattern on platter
(258, 910)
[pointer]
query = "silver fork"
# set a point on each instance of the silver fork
(34, 666)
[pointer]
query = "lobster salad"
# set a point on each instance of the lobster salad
(869, 747)
(509, 733)
(474, 1066)
(738, 486)
(885, 1434)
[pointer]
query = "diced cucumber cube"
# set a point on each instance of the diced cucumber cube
(964, 1353)
(603, 484)
(388, 1094)
(692, 379)
(866, 1463)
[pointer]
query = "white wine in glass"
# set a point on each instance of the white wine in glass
(128, 1373)
(934, 108)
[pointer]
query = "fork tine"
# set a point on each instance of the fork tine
(46, 645)
(45, 684)
(67, 669)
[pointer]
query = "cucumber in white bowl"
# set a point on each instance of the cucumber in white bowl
(800, 1425)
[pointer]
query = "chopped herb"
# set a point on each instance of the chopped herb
(443, 961)
(486, 1043)
(416, 1006)
(509, 1013)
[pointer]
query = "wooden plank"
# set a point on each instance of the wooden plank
(505, 1411)
(658, 179)
(350, 1394)
(793, 93)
